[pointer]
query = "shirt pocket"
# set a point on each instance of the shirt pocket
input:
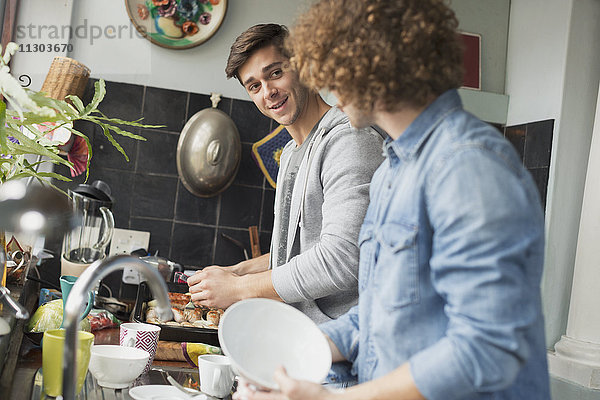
(396, 276)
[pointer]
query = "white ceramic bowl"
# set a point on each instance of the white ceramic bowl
(258, 335)
(115, 366)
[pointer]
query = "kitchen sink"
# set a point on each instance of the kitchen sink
(92, 391)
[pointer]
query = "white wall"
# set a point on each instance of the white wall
(489, 18)
(553, 69)
(34, 17)
(106, 41)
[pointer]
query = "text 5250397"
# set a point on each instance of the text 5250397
(45, 47)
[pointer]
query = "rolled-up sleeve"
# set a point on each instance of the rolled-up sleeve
(343, 332)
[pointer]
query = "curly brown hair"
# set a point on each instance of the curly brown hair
(384, 52)
(251, 40)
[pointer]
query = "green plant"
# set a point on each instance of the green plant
(20, 133)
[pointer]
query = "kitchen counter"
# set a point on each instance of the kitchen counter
(27, 377)
(22, 359)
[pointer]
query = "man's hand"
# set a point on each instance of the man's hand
(290, 389)
(215, 287)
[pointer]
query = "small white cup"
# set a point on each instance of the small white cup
(216, 375)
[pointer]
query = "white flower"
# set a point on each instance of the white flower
(9, 51)
(12, 90)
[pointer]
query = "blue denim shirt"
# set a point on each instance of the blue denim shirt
(451, 259)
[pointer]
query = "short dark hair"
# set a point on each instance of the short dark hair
(254, 38)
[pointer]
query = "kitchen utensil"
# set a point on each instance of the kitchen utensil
(254, 241)
(52, 360)
(208, 152)
(282, 335)
(191, 393)
(141, 336)
(165, 267)
(237, 243)
(87, 242)
(117, 367)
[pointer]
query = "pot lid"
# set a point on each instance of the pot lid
(208, 152)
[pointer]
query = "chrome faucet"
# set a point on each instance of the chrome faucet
(78, 297)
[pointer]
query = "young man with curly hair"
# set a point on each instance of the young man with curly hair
(452, 243)
(322, 191)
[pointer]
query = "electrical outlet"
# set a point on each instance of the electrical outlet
(124, 241)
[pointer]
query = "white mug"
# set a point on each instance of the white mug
(216, 375)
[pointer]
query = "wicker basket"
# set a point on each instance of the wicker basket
(66, 77)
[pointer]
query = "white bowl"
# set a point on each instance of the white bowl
(258, 335)
(115, 366)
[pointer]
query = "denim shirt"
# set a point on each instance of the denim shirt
(451, 257)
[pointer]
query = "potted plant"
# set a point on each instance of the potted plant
(25, 128)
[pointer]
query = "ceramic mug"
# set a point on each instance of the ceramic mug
(216, 375)
(52, 359)
(66, 284)
(141, 336)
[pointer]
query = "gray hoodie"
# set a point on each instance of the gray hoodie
(328, 204)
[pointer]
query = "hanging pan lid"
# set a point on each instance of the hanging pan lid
(208, 152)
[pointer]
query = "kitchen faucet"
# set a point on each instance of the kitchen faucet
(78, 297)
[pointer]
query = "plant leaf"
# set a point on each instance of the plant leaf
(77, 102)
(121, 132)
(121, 122)
(99, 93)
(34, 148)
(3, 135)
(112, 140)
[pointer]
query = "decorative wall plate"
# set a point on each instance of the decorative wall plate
(177, 24)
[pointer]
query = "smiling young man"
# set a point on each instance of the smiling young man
(451, 249)
(322, 191)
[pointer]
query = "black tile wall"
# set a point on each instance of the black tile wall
(268, 210)
(227, 252)
(201, 101)
(538, 144)
(165, 107)
(516, 135)
(153, 196)
(193, 244)
(241, 213)
(149, 196)
(158, 153)
(252, 125)
(533, 142)
(193, 209)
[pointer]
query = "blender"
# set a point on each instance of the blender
(88, 241)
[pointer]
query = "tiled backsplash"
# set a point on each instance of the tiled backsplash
(148, 193)
(533, 142)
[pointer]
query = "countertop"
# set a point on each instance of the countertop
(23, 358)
